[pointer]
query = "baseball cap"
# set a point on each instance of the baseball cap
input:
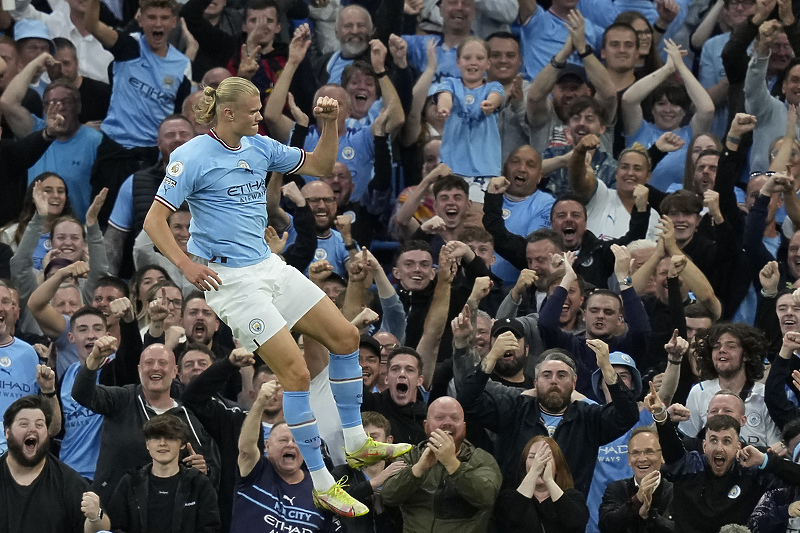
(619, 358)
(56, 264)
(508, 324)
(33, 29)
(371, 343)
(576, 71)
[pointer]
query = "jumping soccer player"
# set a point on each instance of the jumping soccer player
(222, 176)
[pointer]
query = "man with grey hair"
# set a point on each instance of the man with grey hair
(578, 427)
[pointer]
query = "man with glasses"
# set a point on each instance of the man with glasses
(642, 502)
(82, 156)
(332, 245)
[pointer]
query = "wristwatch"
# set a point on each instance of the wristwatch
(626, 281)
(99, 516)
(558, 65)
(586, 53)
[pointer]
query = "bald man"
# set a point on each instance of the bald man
(332, 245)
(445, 467)
(126, 409)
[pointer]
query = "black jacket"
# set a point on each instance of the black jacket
(517, 419)
(406, 420)
(619, 513)
(514, 513)
(195, 509)
(704, 502)
(223, 421)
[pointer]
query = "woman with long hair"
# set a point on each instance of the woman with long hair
(58, 205)
(545, 499)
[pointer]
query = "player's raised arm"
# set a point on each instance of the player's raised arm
(320, 162)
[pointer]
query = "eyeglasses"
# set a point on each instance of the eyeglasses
(175, 302)
(649, 452)
(390, 347)
(766, 173)
(327, 200)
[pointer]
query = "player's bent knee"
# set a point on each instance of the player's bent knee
(296, 378)
(346, 341)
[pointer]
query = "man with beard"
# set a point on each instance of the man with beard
(275, 489)
(445, 467)
(525, 208)
(711, 489)
(369, 357)
(41, 494)
(332, 245)
(509, 352)
(578, 427)
(603, 318)
(734, 355)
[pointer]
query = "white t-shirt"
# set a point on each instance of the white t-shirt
(607, 217)
(758, 430)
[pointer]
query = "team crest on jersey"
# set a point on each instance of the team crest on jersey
(256, 326)
(469, 99)
(506, 214)
(734, 492)
(5, 362)
(320, 254)
(175, 169)
(243, 164)
(168, 81)
(351, 215)
(348, 152)
(754, 419)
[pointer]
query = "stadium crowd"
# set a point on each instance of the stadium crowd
(565, 230)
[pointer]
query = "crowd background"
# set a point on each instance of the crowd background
(565, 229)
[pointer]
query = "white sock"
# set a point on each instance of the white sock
(322, 479)
(354, 438)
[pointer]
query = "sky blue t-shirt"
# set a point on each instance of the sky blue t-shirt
(669, 170)
(522, 217)
(471, 140)
(335, 66)
(446, 57)
(551, 422)
(612, 465)
(73, 160)
(145, 89)
(67, 352)
(226, 192)
(80, 446)
(356, 151)
(711, 72)
(18, 363)
(331, 248)
(544, 35)
(262, 497)
(122, 214)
